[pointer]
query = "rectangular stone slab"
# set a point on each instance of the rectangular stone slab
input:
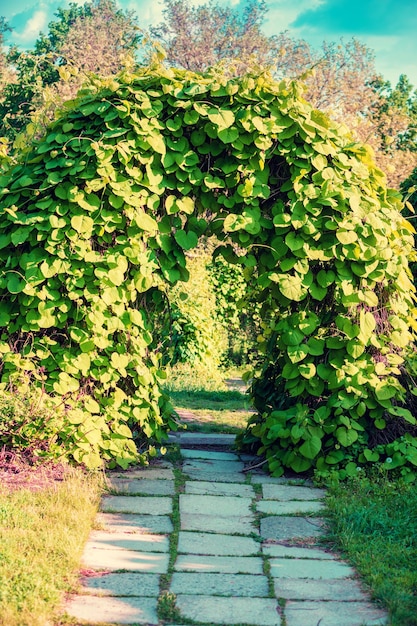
(130, 560)
(210, 455)
(215, 505)
(131, 523)
(289, 528)
(204, 440)
(205, 487)
(292, 507)
(94, 609)
(280, 550)
(216, 610)
(144, 473)
(143, 486)
(213, 476)
(213, 465)
(216, 544)
(308, 568)
(344, 589)
(259, 478)
(225, 564)
(223, 525)
(129, 541)
(137, 504)
(122, 584)
(291, 492)
(236, 585)
(334, 614)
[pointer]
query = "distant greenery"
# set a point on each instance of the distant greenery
(374, 524)
(42, 535)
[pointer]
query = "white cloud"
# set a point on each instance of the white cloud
(34, 25)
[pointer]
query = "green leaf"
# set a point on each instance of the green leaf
(187, 241)
(65, 384)
(346, 236)
(292, 287)
(402, 412)
(157, 143)
(367, 325)
(318, 293)
(15, 284)
(83, 224)
(228, 135)
(346, 437)
(311, 448)
(307, 370)
(222, 118)
(145, 222)
(385, 391)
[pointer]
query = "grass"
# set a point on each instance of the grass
(211, 406)
(374, 525)
(220, 411)
(42, 535)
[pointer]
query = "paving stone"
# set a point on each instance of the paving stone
(216, 524)
(265, 479)
(145, 473)
(309, 568)
(212, 466)
(123, 584)
(214, 476)
(225, 564)
(216, 544)
(236, 585)
(287, 508)
(215, 505)
(291, 492)
(130, 560)
(138, 504)
(209, 455)
(144, 486)
(344, 589)
(215, 610)
(129, 523)
(95, 609)
(203, 439)
(204, 487)
(284, 528)
(334, 614)
(283, 551)
(133, 541)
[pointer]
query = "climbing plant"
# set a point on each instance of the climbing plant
(97, 218)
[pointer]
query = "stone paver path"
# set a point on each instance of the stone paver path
(211, 544)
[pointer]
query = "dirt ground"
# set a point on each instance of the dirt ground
(20, 473)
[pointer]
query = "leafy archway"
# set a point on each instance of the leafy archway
(99, 215)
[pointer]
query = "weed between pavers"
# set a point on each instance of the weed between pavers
(165, 579)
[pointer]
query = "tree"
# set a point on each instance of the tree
(198, 37)
(341, 79)
(94, 38)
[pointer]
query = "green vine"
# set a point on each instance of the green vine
(98, 217)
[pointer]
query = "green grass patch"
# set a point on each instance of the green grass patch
(213, 411)
(374, 524)
(221, 406)
(42, 535)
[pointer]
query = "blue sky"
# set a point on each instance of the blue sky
(388, 27)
